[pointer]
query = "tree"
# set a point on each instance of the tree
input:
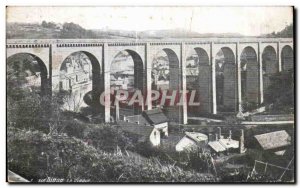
(50, 25)
(44, 24)
(287, 32)
(71, 30)
(280, 93)
(71, 101)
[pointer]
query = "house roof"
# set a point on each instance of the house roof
(223, 144)
(155, 116)
(217, 146)
(229, 143)
(140, 130)
(197, 137)
(137, 118)
(273, 140)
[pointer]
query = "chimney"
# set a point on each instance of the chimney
(242, 139)
(217, 137)
(230, 134)
(219, 132)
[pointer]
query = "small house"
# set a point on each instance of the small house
(276, 142)
(191, 141)
(157, 119)
(223, 145)
(218, 144)
(142, 133)
(154, 118)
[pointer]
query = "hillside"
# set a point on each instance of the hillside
(50, 30)
(287, 32)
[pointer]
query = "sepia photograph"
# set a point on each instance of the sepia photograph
(150, 94)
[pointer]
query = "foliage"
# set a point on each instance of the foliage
(198, 160)
(49, 25)
(72, 30)
(280, 93)
(285, 33)
(36, 155)
(108, 138)
(19, 67)
(27, 112)
(28, 109)
(72, 124)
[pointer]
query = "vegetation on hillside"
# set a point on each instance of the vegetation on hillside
(280, 93)
(48, 144)
(287, 32)
(51, 30)
(38, 156)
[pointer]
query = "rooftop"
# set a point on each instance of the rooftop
(273, 140)
(223, 144)
(155, 116)
(140, 130)
(217, 146)
(197, 137)
(137, 118)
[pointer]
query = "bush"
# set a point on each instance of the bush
(280, 92)
(35, 155)
(108, 138)
(74, 128)
(28, 109)
(197, 160)
(74, 124)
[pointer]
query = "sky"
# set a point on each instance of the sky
(250, 21)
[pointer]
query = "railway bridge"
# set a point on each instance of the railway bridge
(244, 66)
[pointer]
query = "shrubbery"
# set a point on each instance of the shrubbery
(280, 93)
(108, 138)
(28, 109)
(35, 156)
(43, 141)
(197, 160)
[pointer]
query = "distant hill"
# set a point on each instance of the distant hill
(180, 33)
(51, 30)
(287, 32)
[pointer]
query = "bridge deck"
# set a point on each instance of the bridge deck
(163, 40)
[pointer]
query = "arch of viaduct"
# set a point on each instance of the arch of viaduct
(53, 52)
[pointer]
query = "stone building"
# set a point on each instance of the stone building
(141, 134)
(154, 118)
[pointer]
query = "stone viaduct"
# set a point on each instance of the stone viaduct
(263, 56)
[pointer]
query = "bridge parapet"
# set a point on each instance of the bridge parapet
(144, 41)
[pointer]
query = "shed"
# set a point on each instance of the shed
(142, 133)
(191, 141)
(273, 140)
(157, 118)
(223, 144)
